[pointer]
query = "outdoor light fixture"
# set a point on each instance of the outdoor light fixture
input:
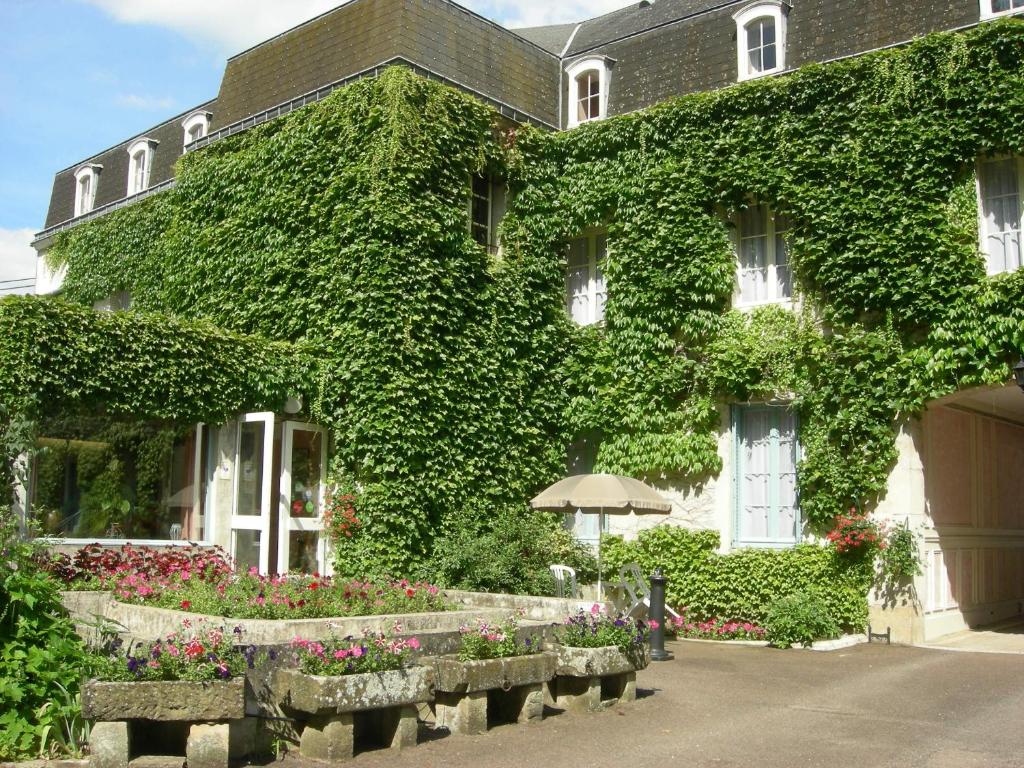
(1018, 373)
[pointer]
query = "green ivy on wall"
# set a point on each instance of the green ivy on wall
(453, 381)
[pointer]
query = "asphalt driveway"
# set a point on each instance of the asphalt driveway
(719, 705)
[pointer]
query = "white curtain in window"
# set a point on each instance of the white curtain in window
(786, 512)
(761, 45)
(1001, 209)
(754, 255)
(756, 500)
(600, 291)
(783, 277)
(578, 282)
(767, 509)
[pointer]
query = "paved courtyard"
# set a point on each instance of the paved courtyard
(717, 705)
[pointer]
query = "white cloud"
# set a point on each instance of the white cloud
(145, 103)
(235, 25)
(17, 260)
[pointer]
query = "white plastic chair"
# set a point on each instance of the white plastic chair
(638, 590)
(565, 581)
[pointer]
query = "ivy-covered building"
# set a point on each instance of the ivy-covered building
(762, 254)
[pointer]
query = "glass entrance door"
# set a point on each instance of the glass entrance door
(301, 543)
(250, 514)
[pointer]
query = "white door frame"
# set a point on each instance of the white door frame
(259, 522)
(287, 523)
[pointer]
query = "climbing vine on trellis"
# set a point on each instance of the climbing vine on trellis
(452, 380)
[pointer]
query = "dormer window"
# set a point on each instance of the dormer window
(86, 179)
(196, 126)
(761, 39)
(990, 9)
(140, 162)
(588, 90)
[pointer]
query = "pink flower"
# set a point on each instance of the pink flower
(414, 643)
(357, 651)
(153, 664)
(341, 653)
(653, 624)
(595, 609)
(173, 650)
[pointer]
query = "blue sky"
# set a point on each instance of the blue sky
(77, 76)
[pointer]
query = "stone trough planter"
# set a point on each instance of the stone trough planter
(210, 716)
(471, 695)
(589, 679)
(377, 706)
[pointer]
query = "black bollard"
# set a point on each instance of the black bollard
(656, 615)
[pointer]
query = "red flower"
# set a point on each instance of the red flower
(185, 605)
(314, 585)
(410, 592)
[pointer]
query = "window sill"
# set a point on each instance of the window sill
(989, 15)
(786, 544)
(759, 75)
(792, 304)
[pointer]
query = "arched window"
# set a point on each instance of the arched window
(86, 179)
(196, 126)
(140, 163)
(760, 39)
(588, 90)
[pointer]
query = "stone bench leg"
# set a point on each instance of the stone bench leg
(108, 745)
(533, 703)
(578, 694)
(618, 688)
(327, 737)
(463, 714)
(208, 745)
(393, 727)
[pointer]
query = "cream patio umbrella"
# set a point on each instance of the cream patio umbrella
(601, 493)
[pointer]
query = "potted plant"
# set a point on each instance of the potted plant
(495, 674)
(336, 679)
(195, 676)
(598, 656)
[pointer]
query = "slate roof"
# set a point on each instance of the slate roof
(635, 18)
(660, 50)
(552, 38)
(113, 178)
(435, 34)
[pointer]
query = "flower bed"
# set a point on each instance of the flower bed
(496, 677)
(336, 679)
(194, 676)
(95, 567)
(200, 580)
(714, 629)
(598, 657)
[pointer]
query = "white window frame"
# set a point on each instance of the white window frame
(778, 540)
(84, 204)
(200, 118)
(772, 9)
(595, 288)
(497, 202)
(598, 64)
(986, 12)
(771, 260)
(983, 219)
(148, 148)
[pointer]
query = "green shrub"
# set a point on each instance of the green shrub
(741, 585)
(41, 657)
(799, 618)
(509, 552)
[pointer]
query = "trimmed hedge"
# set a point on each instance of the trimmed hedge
(742, 585)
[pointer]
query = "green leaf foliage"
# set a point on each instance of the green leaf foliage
(742, 585)
(452, 379)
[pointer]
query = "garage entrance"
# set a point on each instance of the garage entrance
(972, 455)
